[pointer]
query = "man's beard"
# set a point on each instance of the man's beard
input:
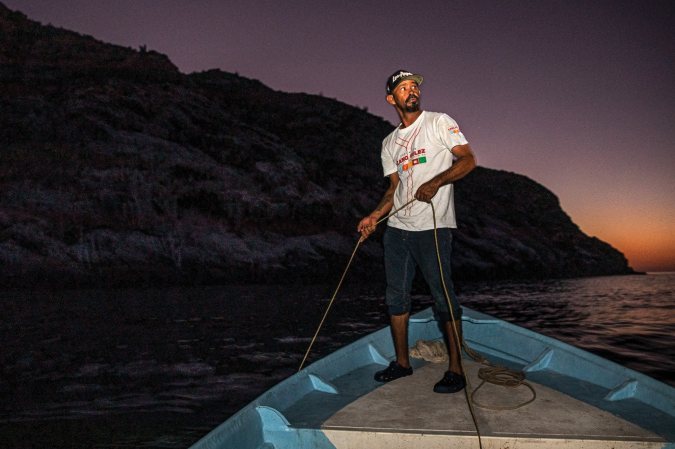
(412, 107)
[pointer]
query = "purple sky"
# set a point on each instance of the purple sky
(577, 95)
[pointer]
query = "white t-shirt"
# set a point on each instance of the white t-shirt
(418, 153)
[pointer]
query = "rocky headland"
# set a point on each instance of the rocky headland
(118, 170)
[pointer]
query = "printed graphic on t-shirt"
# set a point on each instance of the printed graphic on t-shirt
(406, 164)
(410, 160)
(412, 156)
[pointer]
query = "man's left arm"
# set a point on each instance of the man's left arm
(464, 162)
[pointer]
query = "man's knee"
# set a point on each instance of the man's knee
(395, 310)
(444, 315)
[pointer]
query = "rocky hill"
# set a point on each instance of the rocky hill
(117, 169)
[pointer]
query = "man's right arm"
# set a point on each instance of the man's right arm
(368, 224)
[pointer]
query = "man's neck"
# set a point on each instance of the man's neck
(408, 118)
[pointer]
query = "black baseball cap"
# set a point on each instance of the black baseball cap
(402, 75)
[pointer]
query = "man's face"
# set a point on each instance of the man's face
(406, 96)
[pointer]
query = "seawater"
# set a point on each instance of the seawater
(162, 367)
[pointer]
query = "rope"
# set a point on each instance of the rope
(496, 375)
(330, 303)
(344, 273)
(458, 340)
(504, 377)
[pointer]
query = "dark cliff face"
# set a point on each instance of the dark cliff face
(512, 227)
(116, 169)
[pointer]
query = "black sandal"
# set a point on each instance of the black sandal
(393, 372)
(451, 383)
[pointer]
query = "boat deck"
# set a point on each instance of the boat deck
(406, 413)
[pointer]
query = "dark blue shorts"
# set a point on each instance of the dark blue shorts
(406, 250)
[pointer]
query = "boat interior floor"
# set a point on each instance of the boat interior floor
(357, 412)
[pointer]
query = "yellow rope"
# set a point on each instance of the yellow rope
(493, 374)
(504, 377)
(330, 303)
(458, 340)
(344, 273)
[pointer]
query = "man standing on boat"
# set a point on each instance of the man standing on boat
(422, 157)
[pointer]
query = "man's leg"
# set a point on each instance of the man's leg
(400, 270)
(454, 345)
(399, 333)
(453, 380)
(427, 254)
(401, 366)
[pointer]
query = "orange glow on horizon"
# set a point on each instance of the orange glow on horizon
(648, 242)
(656, 256)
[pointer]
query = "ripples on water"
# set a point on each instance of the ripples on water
(628, 319)
(160, 368)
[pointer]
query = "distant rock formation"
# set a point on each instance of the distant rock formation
(116, 169)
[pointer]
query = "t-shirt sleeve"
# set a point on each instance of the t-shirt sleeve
(449, 133)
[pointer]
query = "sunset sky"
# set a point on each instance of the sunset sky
(577, 95)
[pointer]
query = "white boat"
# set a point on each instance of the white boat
(580, 400)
